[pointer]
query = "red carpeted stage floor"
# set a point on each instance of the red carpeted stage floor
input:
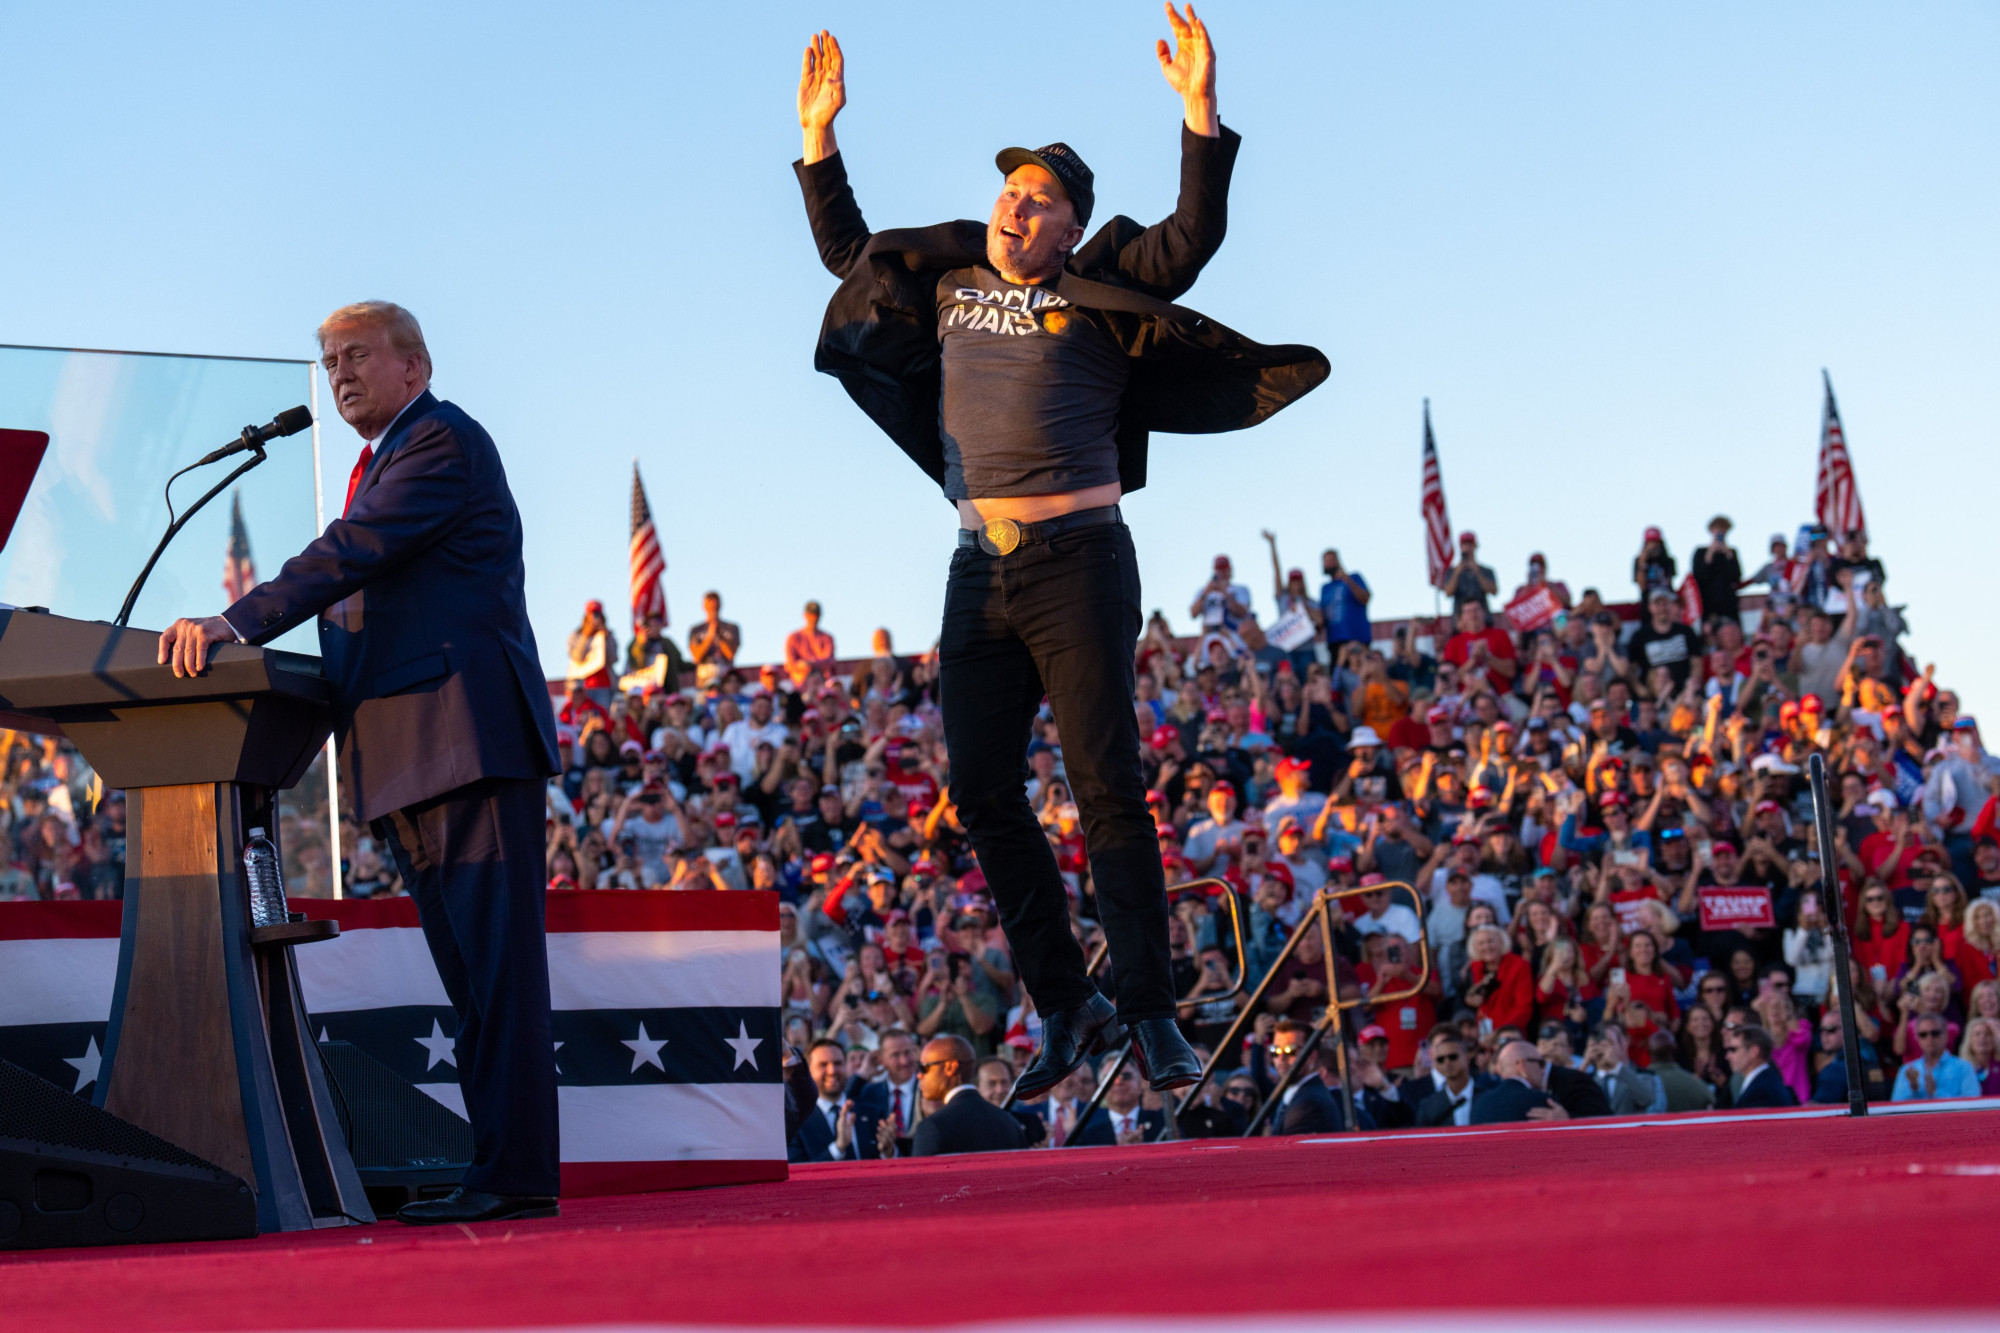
(1889, 1221)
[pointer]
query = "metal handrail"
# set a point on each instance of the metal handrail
(1117, 1066)
(1318, 915)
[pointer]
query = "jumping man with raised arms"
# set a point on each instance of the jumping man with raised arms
(1022, 368)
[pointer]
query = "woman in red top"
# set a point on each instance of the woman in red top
(1601, 945)
(1978, 955)
(1944, 912)
(1647, 979)
(1502, 989)
(1535, 927)
(1881, 936)
(1389, 967)
(1563, 982)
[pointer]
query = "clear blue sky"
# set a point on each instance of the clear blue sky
(1612, 244)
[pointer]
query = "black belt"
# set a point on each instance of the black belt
(1001, 536)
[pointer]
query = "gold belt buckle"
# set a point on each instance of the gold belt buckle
(999, 536)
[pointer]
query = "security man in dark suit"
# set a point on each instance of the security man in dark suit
(1749, 1053)
(442, 719)
(966, 1121)
(1309, 1106)
(1521, 1093)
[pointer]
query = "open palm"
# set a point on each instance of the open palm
(822, 82)
(1190, 66)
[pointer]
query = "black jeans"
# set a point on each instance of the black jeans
(1057, 618)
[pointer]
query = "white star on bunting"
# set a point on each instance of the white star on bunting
(744, 1045)
(86, 1066)
(645, 1051)
(439, 1046)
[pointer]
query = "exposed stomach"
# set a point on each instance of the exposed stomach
(1036, 508)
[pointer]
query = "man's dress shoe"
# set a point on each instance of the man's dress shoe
(1069, 1035)
(464, 1205)
(1165, 1058)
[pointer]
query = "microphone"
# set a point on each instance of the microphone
(288, 422)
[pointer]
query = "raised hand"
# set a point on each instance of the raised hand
(822, 93)
(1190, 69)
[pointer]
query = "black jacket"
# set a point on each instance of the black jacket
(423, 630)
(1507, 1101)
(1190, 375)
(966, 1123)
(1313, 1110)
(1767, 1089)
(1579, 1093)
(1436, 1109)
(1097, 1131)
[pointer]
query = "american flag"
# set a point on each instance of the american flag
(1836, 499)
(1437, 526)
(239, 571)
(649, 594)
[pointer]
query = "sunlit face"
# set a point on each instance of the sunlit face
(1033, 226)
(995, 1083)
(828, 1067)
(371, 381)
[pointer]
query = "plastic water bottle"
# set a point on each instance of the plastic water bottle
(267, 882)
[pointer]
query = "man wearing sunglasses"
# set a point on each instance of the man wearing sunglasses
(1308, 1106)
(966, 1121)
(1748, 1050)
(1831, 1086)
(1455, 1083)
(1522, 1090)
(1936, 1073)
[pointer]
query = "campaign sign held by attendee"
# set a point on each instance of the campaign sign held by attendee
(1291, 631)
(1534, 608)
(1735, 907)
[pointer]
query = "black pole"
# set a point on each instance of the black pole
(1830, 904)
(173, 528)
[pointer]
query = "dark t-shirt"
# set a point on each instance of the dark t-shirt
(1674, 649)
(1031, 390)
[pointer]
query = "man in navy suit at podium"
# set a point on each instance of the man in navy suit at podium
(442, 719)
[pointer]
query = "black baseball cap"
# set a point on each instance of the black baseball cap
(1060, 161)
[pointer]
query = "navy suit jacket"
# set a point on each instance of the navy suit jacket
(814, 1141)
(1097, 1132)
(423, 619)
(1313, 1110)
(1767, 1089)
(967, 1123)
(1507, 1101)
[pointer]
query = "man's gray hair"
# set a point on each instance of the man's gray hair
(405, 335)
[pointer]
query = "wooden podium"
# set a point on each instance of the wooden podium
(208, 1045)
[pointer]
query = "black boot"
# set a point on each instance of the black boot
(1165, 1058)
(1067, 1037)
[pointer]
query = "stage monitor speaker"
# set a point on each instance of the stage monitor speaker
(406, 1144)
(71, 1174)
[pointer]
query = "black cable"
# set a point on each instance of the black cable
(174, 527)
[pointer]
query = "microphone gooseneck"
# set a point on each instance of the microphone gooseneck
(288, 422)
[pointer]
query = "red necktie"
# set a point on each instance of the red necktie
(354, 477)
(899, 1111)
